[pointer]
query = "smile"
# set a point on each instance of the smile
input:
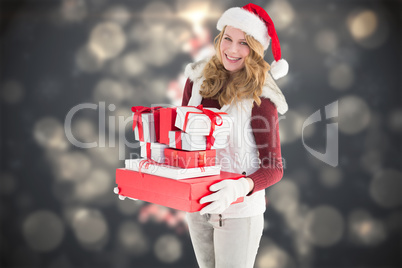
(232, 59)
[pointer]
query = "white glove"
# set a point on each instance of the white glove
(226, 192)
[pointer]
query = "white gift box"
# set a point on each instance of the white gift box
(148, 128)
(191, 120)
(171, 172)
(157, 151)
(195, 142)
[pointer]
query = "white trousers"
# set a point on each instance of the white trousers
(225, 243)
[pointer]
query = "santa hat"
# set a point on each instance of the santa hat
(254, 21)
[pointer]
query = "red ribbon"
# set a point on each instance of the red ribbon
(212, 116)
(137, 120)
(177, 139)
(149, 150)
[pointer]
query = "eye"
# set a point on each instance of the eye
(227, 38)
(244, 43)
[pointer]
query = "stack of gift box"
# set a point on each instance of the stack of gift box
(178, 156)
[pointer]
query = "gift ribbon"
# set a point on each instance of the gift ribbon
(201, 158)
(177, 139)
(212, 116)
(137, 120)
(149, 150)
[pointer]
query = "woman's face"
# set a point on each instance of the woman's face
(233, 49)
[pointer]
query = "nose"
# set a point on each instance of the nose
(233, 47)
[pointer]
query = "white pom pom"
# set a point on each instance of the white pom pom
(116, 190)
(279, 68)
(122, 197)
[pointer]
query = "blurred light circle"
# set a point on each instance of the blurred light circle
(324, 226)
(372, 161)
(128, 207)
(43, 230)
(133, 64)
(282, 13)
(156, 54)
(284, 196)
(87, 60)
(271, 256)
(363, 24)
(107, 155)
(326, 41)
(90, 226)
(168, 248)
(290, 127)
(72, 166)
(330, 177)
(109, 91)
(157, 12)
(341, 77)
(97, 183)
(385, 188)
(354, 115)
(118, 14)
(395, 120)
(365, 230)
(83, 129)
(368, 28)
(8, 184)
(73, 10)
(49, 133)
(107, 40)
(122, 114)
(12, 92)
(132, 237)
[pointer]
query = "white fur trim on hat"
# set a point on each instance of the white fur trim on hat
(279, 68)
(246, 21)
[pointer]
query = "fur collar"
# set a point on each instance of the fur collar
(270, 89)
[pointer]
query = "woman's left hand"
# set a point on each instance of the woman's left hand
(226, 192)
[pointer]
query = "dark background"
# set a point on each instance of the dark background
(57, 204)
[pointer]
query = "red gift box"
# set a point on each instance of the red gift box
(167, 118)
(178, 194)
(189, 159)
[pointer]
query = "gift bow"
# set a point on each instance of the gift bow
(213, 116)
(138, 111)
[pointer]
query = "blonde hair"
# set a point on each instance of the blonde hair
(224, 86)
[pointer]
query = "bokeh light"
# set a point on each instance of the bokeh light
(326, 41)
(109, 91)
(132, 238)
(354, 115)
(270, 255)
(8, 184)
(168, 248)
(87, 60)
(90, 226)
(386, 188)
(119, 14)
(72, 166)
(73, 10)
(330, 177)
(291, 127)
(107, 40)
(12, 92)
(364, 229)
(43, 230)
(341, 77)
(368, 28)
(284, 197)
(324, 226)
(49, 133)
(282, 13)
(96, 184)
(395, 120)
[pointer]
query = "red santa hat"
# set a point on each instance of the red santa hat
(254, 21)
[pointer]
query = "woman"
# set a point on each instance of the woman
(236, 81)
